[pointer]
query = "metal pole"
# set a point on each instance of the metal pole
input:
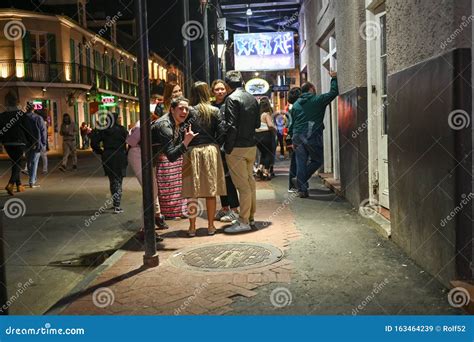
(187, 50)
(206, 46)
(150, 258)
(216, 44)
(3, 277)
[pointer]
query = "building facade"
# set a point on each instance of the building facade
(399, 137)
(63, 67)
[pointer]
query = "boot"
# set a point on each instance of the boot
(9, 188)
(20, 188)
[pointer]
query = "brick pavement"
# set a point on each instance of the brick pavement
(127, 289)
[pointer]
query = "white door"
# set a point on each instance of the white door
(381, 103)
(331, 131)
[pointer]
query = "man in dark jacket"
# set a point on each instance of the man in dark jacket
(114, 156)
(37, 132)
(13, 136)
(306, 130)
(241, 118)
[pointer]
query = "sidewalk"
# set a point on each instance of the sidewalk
(51, 243)
(333, 263)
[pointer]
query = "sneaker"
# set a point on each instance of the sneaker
(303, 194)
(118, 210)
(36, 185)
(238, 227)
(252, 224)
(62, 168)
(230, 217)
(160, 222)
(292, 190)
(221, 213)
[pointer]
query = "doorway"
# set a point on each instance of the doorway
(377, 104)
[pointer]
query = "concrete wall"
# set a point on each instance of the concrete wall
(425, 38)
(351, 48)
(418, 30)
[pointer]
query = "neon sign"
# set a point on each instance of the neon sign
(108, 100)
(37, 105)
(264, 51)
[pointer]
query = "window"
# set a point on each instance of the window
(39, 47)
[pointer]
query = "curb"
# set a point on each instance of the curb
(58, 308)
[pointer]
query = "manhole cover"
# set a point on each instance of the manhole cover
(227, 257)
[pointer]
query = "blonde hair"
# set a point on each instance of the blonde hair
(201, 100)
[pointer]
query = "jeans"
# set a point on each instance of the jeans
(32, 163)
(85, 141)
(44, 158)
(309, 155)
(115, 183)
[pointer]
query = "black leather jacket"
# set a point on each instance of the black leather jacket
(241, 118)
(166, 138)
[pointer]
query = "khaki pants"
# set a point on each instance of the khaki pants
(240, 163)
(69, 148)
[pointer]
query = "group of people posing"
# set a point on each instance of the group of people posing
(205, 149)
(202, 148)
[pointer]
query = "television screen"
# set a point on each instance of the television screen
(264, 51)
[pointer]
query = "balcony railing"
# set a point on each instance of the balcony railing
(19, 70)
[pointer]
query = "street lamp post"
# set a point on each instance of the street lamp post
(150, 258)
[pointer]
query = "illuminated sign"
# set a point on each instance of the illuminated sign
(257, 86)
(37, 104)
(264, 51)
(108, 100)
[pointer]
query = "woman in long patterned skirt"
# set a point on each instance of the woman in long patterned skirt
(169, 174)
(169, 178)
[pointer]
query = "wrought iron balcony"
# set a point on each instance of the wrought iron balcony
(57, 72)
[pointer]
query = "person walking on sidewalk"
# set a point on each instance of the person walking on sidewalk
(266, 140)
(114, 156)
(241, 118)
(37, 131)
(134, 157)
(170, 140)
(44, 151)
(280, 123)
(230, 203)
(68, 132)
(85, 131)
(13, 136)
(307, 131)
(203, 173)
